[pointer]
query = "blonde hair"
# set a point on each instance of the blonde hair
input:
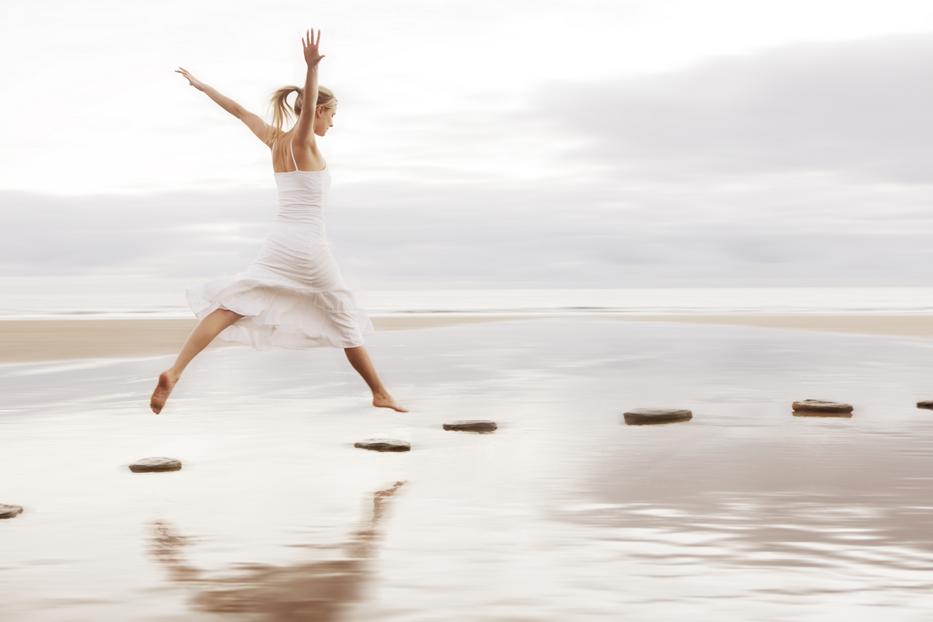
(282, 111)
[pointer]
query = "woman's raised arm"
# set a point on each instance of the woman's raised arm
(225, 102)
(304, 129)
(265, 132)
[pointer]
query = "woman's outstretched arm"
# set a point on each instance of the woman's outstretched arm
(225, 102)
(254, 122)
(304, 129)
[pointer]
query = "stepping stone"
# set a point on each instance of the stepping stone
(643, 416)
(925, 404)
(472, 425)
(822, 408)
(9, 511)
(155, 464)
(383, 444)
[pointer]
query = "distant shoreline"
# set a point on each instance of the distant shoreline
(36, 340)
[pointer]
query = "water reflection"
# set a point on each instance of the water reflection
(788, 548)
(314, 590)
(744, 513)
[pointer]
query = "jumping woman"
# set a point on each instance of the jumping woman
(293, 294)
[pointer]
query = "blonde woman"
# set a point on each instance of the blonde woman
(292, 295)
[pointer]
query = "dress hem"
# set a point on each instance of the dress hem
(257, 329)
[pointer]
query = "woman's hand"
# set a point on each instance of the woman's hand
(310, 48)
(191, 79)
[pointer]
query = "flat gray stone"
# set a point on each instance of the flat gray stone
(9, 511)
(645, 416)
(383, 444)
(817, 408)
(472, 425)
(147, 465)
(925, 404)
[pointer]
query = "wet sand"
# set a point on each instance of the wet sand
(908, 325)
(44, 340)
(744, 513)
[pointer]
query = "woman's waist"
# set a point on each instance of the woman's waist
(297, 233)
(294, 250)
(287, 222)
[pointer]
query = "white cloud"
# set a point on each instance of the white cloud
(856, 109)
(525, 144)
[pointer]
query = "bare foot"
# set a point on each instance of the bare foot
(166, 383)
(384, 400)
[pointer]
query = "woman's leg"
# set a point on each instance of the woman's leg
(209, 327)
(362, 364)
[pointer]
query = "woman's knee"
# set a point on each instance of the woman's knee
(228, 315)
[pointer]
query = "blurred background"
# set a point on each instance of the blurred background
(485, 155)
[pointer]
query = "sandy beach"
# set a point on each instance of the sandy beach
(42, 340)
(564, 513)
(907, 325)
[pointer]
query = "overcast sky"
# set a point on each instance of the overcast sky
(478, 143)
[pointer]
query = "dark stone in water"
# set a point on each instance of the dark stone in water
(643, 416)
(383, 444)
(925, 404)
(9, 511)
(822, 408)
(155, 464)
(472, 425)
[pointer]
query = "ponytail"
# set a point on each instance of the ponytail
(282, 111)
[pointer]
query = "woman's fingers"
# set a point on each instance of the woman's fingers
(309, 43)
(309, 40)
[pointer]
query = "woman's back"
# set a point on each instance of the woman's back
(284, 155)
(302, 194)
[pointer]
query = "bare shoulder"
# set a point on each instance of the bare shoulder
(306, 143)
(308, 155)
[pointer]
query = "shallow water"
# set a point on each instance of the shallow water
(745, 512)
(121, 296)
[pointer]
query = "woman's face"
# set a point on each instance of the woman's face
(324, 119)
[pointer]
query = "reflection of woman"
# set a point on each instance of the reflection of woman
(293, 294)
(313, 590)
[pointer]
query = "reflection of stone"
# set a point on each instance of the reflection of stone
(9, 511)
(822, 408)
(155, 464)
(643, 416)
(925, 404)
(383, 444)
(472, 425)
(315, 591)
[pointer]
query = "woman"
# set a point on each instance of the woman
(293, 294)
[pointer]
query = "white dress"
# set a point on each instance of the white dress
(292, 295)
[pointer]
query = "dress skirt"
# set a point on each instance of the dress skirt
(291, 296)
